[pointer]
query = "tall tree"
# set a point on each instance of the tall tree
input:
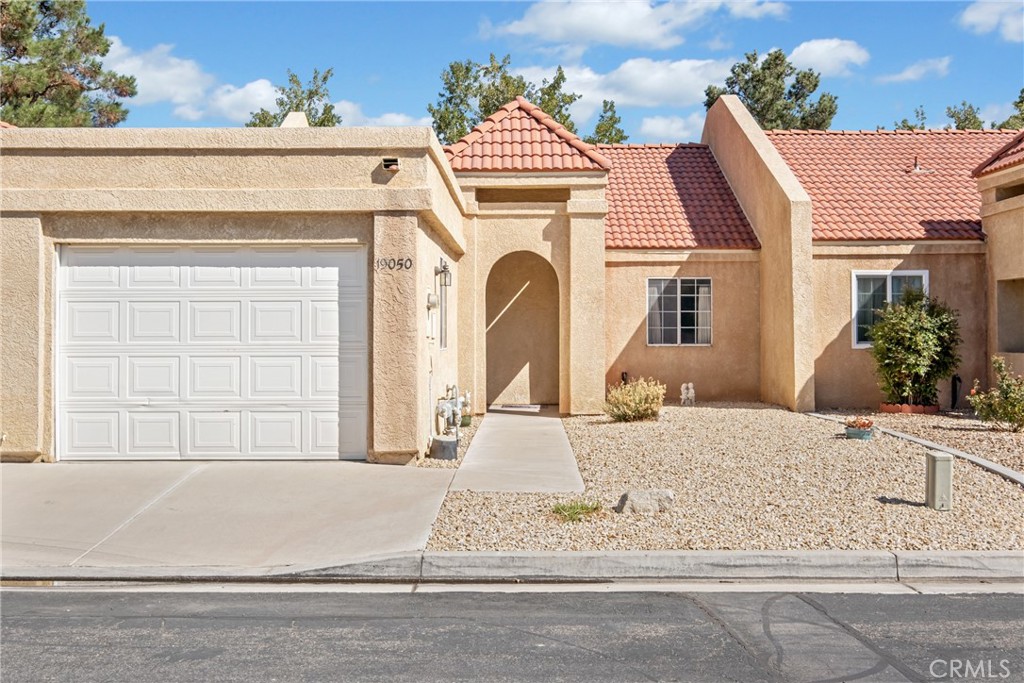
(314, 99)
(965, 116)
(608, 130)
(1016, 120)
(776, 94)
(917, 124)
(51, 72)
(470, 92)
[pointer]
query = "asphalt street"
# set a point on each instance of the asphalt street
(84, 635)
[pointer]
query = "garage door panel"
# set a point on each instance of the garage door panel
(153, 377)
(214, 377)
(215, 322)
(275, 377)
(92, 321)
(153, 433)
(215, 433)
(93, 433)
(154, 322)
(275, 432)
(212, 352)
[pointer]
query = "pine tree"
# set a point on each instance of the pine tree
(51, 72)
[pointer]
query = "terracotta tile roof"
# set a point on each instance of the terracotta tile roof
(1011, 154)
(521, 137)
(4, 124)
(671, 197)
(864, 186)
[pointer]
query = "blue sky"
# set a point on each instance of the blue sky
(211, 63)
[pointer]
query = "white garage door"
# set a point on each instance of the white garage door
(170, 352)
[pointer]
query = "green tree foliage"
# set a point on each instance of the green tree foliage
(608, 130)
(51, 73)
(314, 99)
(916, 124)
(965, 116)
(914, 344)
(1016, 120)
(776, 94)
(470, 92)
(1003, 404)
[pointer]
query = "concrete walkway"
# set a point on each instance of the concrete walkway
(520, 449)
(230, 517)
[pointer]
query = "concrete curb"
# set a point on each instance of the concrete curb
(587, 567)
(1005, 472)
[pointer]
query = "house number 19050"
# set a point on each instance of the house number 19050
(394, 264)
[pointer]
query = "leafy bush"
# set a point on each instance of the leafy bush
(1004, 404)
(914, 344)
(639, 399)
(576, 510)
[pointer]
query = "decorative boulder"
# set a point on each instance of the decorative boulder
(646, 502)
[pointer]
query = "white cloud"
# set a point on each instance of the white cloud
(163, 77)
(237, 104)
(352, 115)
(996, 113)
(717, 44)
(639, 82)
(829, 56)
(672, 128)
(638, 24)
(918, 70)
(1005, 17)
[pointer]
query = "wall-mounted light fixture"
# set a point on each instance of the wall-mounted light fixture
(444, 273)
(390, 164)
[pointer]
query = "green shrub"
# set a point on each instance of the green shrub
(1004, 404)
(914, 344)
(639, 399)
(576, 510)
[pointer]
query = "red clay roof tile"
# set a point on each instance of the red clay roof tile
(864, 186)
(521, 137)
(4, 124)
(671, 197)
(1011, 154)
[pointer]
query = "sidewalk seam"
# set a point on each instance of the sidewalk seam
(181, 480)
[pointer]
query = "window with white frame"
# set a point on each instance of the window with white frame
(872, 290)
(679, 311)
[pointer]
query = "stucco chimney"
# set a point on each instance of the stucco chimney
(295, 119)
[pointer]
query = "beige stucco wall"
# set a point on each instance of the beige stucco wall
(779, 210)
(296, 186)
(570, 237)
(1003, 222)
(729, 369)
(845, 376)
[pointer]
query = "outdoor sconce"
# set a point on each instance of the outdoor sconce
(390, 164)
(443, 272)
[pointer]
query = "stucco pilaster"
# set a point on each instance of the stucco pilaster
(23, 389)
(397, 312)
(586, 314)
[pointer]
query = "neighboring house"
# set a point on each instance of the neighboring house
(313, 292)
(1001, 182)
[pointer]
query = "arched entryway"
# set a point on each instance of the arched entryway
(522, 330)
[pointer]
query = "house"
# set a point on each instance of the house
(312, 293)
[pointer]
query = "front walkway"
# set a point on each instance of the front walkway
(520, 449)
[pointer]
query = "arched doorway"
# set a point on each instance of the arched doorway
(522, 330)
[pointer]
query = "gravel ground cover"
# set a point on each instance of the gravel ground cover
(745, 477)
(465, 437)
(957, 429)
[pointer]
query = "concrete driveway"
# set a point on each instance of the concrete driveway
(235, 518)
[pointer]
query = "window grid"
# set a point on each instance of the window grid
(679, 312)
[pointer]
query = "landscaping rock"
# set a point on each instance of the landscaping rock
(646, 502)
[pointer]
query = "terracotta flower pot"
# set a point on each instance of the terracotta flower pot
(908, 409)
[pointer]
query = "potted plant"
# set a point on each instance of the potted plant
(914, 344)
(860, 428)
